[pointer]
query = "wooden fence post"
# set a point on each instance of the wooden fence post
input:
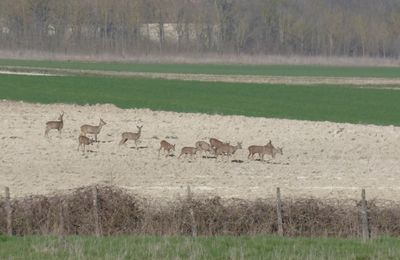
(364, 218)
(192, 218)
(279, 211)
(189, 193)
(96, 212)
(8, 211)
(61, 219)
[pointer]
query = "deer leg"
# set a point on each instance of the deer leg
(123, 140)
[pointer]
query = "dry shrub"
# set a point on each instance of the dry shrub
(3, 221)
(384, 219)
(212, 216)
(123, 213)
(314, 217)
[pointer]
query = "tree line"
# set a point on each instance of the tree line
(271, 27)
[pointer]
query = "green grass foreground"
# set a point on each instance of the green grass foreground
(152, 247)
(216, 69)
(317, 103)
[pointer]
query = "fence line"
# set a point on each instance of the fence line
(363, 212)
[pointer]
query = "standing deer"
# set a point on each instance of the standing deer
(58, 125)
(188, 151)
(227, 149)
(215, 143)
(264, 149)
(83, 141)
(91, 129)
(167, 147)
(204, 147)
(131, 136)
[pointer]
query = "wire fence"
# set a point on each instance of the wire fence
(109, 210)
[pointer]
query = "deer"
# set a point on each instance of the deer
(58, 125)
(227, 149)
(204, 146)
(167, 147)
(83, 141)
(131, 136)
(264, 149)
(188, 151)
(91, 129)
(215, 143)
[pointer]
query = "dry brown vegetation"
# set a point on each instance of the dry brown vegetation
(123, 213)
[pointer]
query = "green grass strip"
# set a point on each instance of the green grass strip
(216, 69)
(318, 103)
(151, 247)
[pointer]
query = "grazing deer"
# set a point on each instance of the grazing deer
(55, 125)
(264, 149)
(167, 147)
(91, 129)
(131, 136)
(204, 147)
(188, 151)
(227, 149)
(83, 141)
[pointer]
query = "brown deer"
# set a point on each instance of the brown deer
(83, 141)
(264, 149)
(188, 151)
(227, 149)
(204, 147)
(131, 136)
(167, 147)
(215, 143)
(91, 129)
(58, 125)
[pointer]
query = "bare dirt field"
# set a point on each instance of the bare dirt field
(320, 159)
(364, 82)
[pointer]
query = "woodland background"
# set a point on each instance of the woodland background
(268, 27)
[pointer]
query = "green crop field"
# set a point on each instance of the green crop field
(319, 103)
(216, 69)
(152, 247)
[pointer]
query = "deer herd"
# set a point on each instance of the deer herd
(215, 147)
